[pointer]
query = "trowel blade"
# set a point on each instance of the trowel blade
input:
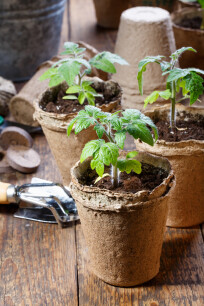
(40, 214)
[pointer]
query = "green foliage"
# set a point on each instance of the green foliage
(188, 80)
(114, 127)
(74, 68)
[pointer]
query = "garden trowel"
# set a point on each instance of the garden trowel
(41, 201)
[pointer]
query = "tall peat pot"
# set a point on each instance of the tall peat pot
(29, 35)
(123, 231)
(186, 200)
(67, 150)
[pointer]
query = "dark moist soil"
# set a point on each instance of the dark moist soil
(193, 23)
(149, 178)
(62, 106)
(186, 130)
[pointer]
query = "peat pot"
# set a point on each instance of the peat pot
(189, 37)
(67, 150)
(187, 159)
(21, 105)
(123, 231)
(30, 34)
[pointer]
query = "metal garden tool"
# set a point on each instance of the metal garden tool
(50, 202)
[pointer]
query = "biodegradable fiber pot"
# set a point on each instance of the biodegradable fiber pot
(189, 37)
(66, 150)
(123, 231)
(187, 159)
(21, 106)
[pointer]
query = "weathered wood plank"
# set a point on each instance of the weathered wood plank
(37, 261)
(179, 282)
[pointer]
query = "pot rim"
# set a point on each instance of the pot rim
(130, 200)
(59, 122)
(182, 13)
(182, 143)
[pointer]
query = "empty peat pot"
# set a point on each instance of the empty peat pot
(143, 31)
(123, 231)
(67, 150)
(187, 160)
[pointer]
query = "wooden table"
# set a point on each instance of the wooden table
(42, 264)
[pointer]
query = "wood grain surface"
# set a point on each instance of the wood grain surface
(42, 264)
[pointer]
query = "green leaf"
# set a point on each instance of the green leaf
(176, 74)
(142, 68)
(94, 111)
(131, 154)
(48, 74)
(69, 71)
(90, 148)
(55, 80)
(194, 84)
(166, 94)
(70, 97)
(102, 64)
(129, 165)
(149, 122)
(81, 98)
(100, 130)
(98, 165)
(90, 98)
(120, 138)
(142, 132)
(113, 58)
(151, 98)
(74, 89)
(70, 126)
(83, 62)
(131, 114)
(165, 66)
(109, 153)
(178, 52)
(83, 123)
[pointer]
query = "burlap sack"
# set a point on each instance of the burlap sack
(186, 201)
(189, 37)
(123, 232)
(66, 151)
(21, 106)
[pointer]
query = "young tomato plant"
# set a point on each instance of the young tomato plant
(73, 68)
(201, 2)
(188, 80)
(114, 128)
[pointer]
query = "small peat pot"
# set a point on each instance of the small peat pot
(54, 114)
(123, 230)
(187, 159)
(185, 34)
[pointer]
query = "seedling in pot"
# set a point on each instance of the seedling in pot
(114, 128)
(189, 80)
(201, 2)
(74, 68)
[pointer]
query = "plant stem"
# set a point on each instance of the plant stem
(173, 106)
(115, 176)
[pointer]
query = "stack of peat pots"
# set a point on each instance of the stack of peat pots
(140, 32)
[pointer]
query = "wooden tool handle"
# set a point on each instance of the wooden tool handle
(3, 193)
